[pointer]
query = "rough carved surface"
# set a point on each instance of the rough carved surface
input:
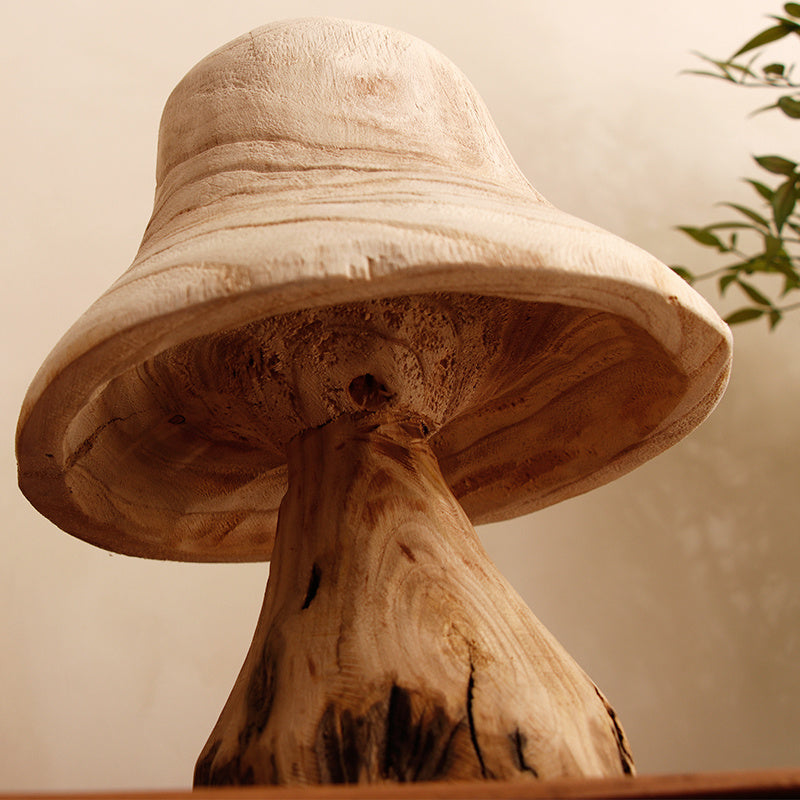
(318, 164)
(348, 294)
(523, 399)
(389, 647)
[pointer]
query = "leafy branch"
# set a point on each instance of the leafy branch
(762, 241)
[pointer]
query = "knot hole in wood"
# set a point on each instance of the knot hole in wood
(368, 392)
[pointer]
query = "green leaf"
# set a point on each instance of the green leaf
(755, 264)
(726, 76)
(725, 281)
(754, 294)
(774, 69)
(727, 68)
(772, 246)
(703, 236)
(774, 318)
(783, 202)
(750, 214)
(738, 225)
(763, 190)
(791, 280)
(763, 109)
(684, 273)
(790, 24)
(744, 315)
(790, 285)
(778, 165)
(790, 106)
(792, 9)
(765, 37)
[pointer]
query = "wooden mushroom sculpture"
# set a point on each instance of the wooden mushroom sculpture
(352, 331)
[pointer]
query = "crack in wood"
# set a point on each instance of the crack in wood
(400, 737)
(625, 756)
(350, 715)
(518, 740)
(407, 552)
(417, 742)
(313, 585)
(473, 734)
(85, 447)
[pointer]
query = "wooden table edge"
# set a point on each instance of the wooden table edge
(744, 783)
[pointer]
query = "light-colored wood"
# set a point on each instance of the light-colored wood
(497, 380)
(348, 295)
(319, 163)
(389, 648)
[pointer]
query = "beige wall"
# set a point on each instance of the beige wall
(675, 587)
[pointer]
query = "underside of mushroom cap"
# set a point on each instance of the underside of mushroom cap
(312, 173)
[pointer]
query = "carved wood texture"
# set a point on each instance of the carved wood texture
(389, 648)
(525, 401)
(310, 172)
(347, 287)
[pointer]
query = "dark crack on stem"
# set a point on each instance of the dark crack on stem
(313, 585)
(473, 734)
(518, 740)
(625, 756)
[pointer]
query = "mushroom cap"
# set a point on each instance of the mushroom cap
(319, 167)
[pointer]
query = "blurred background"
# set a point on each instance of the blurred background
(676, 587)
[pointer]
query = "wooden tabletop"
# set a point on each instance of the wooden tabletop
(762, 783)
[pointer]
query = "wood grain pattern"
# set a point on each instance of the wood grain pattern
(350, 303)
(522, 400)
(322, 164)
(389, 648)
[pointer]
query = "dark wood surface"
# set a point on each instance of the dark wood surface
(762, 783)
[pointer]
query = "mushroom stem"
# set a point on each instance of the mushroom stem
(389, 647)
